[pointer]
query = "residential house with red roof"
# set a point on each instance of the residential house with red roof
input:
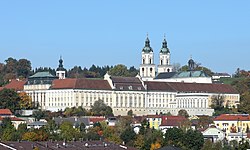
(6, 113)
(233, 123)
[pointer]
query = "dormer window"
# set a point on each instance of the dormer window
(139, 88)
(130, 88)
(121, 87)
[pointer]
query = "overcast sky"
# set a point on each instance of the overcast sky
(215, 33)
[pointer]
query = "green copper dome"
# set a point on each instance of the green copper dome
(164, 48)
(147, 48)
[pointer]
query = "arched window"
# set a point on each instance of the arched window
(161, 62)
(150, 61)
(168, 70)
(143, 61)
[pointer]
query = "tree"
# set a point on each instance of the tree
(9, 99)
(67, 131)
(183, 113)
(100, 108)
(217, 102)
(23, 68)
(204, 122)
(193, 140)
(25, 101)
(155, 146)
(139, 141)
(128, 135)
(208, 145)
(119, 70)
(7, 130)
(130, 113)
(22, 128)
(174, 136)
(38, 115)
(30, 136)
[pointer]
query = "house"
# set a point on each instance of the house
(154, 121)
(233, 123)
(239, 136)
(214, 134)
(6, 113)
(36, 124)
(171, 122)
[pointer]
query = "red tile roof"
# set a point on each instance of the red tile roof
(172, 120)
(83, 83)
(5, 112)
(190, 87)
(15, 84)
(233, 117)
(96, 119)
(12, 119)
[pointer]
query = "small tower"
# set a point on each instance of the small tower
(164, 64)
(147, 67)
(60, 71)
(191, 64)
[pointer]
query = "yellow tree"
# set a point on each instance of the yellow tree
(155, 146)
(25, 101)
(30, 136)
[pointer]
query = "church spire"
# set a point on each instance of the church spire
(60, 66)
(164, 48)
(60, 71)
(147, 47)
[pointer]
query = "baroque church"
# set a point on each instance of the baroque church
(148, 67)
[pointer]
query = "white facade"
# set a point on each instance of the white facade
(194, 103)
(60, 74)
(164, 59)
(147, 67)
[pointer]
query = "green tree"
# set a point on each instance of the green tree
(130, 113)
(7, 130)
(22, 128)
(208, 145)
(174, 136)
(139, 141)
(183, 113)
(23, 68)
(193, 140)
(38, 115)
(100, 108)
(119, 70)
(128, 135)
(67, 131)
(9, 99)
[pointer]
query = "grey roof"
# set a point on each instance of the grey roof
(127, 83)
(73, 120)
(169, 148)
(42, 75)
(186, 74)
(37, 123)
(55, 145)
(165, 75)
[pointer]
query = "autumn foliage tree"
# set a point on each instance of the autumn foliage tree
(25, 101)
